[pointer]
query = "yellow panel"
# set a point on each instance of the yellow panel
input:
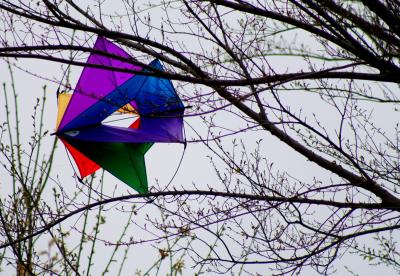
(128, 108)
(63, 100)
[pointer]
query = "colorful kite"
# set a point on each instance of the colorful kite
(101, 92)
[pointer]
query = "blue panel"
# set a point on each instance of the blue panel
(153, 96)
(157, 95)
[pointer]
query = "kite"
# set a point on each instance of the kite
(101, 92)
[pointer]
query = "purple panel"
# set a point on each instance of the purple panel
(96, 83)
(171, 126)
(151, 130)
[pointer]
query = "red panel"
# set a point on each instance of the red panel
(135, 124)
(84, 164)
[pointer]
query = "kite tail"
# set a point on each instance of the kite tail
(178, 167)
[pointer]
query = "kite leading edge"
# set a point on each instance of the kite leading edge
(99, 93)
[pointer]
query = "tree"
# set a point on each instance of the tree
(313, 74)
(32, 197)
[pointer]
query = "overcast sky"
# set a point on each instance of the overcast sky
(162, 161)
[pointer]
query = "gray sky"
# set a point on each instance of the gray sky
(163, 160)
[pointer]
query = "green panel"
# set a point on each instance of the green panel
(145, 147)
(124, 160)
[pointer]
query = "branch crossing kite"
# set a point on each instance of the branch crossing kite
(101, 92)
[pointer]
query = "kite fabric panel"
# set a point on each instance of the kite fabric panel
(103, 91)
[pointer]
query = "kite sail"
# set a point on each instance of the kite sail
(101, 92)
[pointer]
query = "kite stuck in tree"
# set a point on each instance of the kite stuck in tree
(101, 92)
